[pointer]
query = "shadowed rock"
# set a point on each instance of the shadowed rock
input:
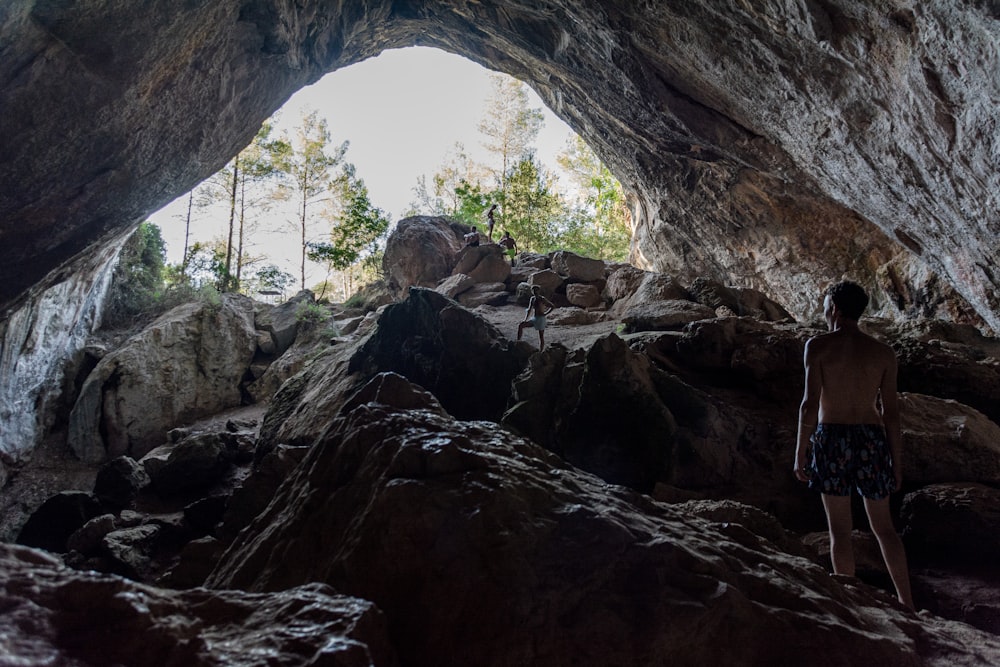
(462, 535)
(52, 615)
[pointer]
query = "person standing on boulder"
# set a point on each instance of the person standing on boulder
(850, 416)
(490, 222)
(534, 316)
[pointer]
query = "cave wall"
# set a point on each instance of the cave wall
(777, 144)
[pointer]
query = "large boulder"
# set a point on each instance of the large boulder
(961, 520)
(575, 268)
(282, 322)
(55, 615)
(946, 441)
(188, 364)
(459, 533)
(664, 315)
(482, 263)
(420, 252)
(452, 352)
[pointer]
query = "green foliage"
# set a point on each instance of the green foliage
(530, 210)
(310, 314)
(591, 219)
(138, 280)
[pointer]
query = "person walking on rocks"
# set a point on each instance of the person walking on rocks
(850, 417)
(534, 316)
(509, 246)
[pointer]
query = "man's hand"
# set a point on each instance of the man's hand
(800, 469)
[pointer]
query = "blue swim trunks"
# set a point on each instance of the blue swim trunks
(847, 456)
(538, 322)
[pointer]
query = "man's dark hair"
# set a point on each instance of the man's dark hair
(849, 298)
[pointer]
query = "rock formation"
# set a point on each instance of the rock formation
(622, 497)
(772, 145)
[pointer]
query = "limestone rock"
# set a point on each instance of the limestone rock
(575, 268)
(714, 294)
(483, 263)
(664, 315)
(459, 525)
(87, 539)
(548, 280)
(187, 364)
(960, 519)
(491, 294)
(420, 252)
(119, 481)
(582, 295)
(447, 350)
(945, 441)
(454, 285)
(756, 304)
(57, 518)
(533, 261)
(52, 615)
(282, 321)
(196, 462)
(948, 370)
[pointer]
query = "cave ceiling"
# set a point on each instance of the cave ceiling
(775, 144)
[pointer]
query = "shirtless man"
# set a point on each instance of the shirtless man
(855, 437)
(534, 316)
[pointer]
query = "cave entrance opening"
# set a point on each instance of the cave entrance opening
(418, 123)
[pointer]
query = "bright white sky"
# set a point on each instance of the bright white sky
(402, 113)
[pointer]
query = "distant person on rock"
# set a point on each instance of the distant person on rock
(472, 238)
(534, 316)
(850, 417)
(509, 246)
(490, 222)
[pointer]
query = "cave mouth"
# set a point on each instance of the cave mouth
(404, 113)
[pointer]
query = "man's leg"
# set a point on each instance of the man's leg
(838, 518)
(541, 339)
(880, 519)
(520, 329)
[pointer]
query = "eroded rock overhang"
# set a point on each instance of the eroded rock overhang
(774, 144)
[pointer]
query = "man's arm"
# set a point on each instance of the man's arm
(548, 303)
(808, 411)
(890, 418)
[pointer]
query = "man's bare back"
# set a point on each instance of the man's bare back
(852, 367)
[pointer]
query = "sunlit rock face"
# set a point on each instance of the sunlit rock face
(774, 145)
(38, 350)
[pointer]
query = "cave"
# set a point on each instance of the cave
(773, 146)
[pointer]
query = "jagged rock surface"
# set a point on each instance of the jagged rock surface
(52, 615)
(458, 530)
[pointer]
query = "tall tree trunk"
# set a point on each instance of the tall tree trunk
(227, 277)
(302, 221)
(239, 247)
(187, 236)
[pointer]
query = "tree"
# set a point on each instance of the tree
(137, 283)
(241, 185)
(599, 225)
(510, 126)
(309, 167)
(357, 227)
(443, 196)
(531, 209)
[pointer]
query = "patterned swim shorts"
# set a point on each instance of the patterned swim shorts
(846, 456)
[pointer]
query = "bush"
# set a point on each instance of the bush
(137, 283)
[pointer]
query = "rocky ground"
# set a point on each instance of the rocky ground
(447, 492)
